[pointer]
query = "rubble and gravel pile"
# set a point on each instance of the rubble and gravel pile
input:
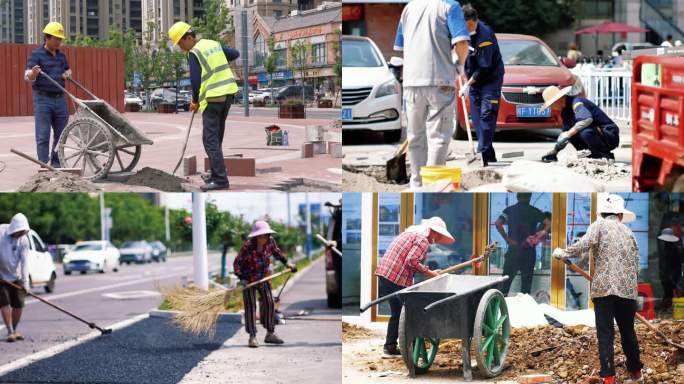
(351, 332)
(574, 357)
(54, 181)
(599, 169)
(158, 179)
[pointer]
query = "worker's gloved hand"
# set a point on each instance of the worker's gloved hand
(292, 267)
(67, 74)
(563, 139)
(464, 91)
(560, 254)
(193, 106)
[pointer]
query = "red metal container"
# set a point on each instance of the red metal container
(101, 70)
(657, 123)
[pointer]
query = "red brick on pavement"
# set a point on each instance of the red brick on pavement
(535, 379)
(307, 150)
(236, 166)
(189, 165)
(335, 149)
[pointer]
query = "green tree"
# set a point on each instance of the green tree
(527, 17)
(271, 63)
(134, 218)
(300, 51)
(214, 21)
(337, 67)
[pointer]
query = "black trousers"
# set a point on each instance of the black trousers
(622, 311)
(266, 308)
(214, 127)
(385, 287)
(519, 259)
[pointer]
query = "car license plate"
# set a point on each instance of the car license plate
(532, 111)
(346, 114)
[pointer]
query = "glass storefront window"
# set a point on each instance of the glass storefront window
(351, 245)
(577, 221)
(638, 203)
(389, 226)
(457, 212)
(523, 253)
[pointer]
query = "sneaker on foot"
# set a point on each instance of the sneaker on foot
(253, 343)
(271, 338)
(18, 336)
(11, 338)
(391, 352)
(635, 377)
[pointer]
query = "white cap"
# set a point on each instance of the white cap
(609, 203)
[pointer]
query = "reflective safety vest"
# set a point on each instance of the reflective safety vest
(217, 77)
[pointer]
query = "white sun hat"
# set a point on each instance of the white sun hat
(438, 225)
(668, 235)
(552, 94)
(609, 203)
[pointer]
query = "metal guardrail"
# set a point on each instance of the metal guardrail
(610, 89)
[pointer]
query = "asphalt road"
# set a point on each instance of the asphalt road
(101, 298)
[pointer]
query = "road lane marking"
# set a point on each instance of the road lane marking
(131, 295)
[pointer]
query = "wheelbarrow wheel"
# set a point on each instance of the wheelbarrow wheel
(491, 333)
(126, 157)
(87, 145)
(420, 352)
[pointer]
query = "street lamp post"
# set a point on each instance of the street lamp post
(199, 242)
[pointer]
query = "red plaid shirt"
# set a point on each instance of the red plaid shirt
(403, 258)
(252, 265)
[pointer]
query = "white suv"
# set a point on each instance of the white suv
(40, 265)
(371, 94)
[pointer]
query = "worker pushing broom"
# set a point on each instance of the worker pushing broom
(198, 310)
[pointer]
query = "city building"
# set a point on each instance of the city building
(12, 21)
(159, 15)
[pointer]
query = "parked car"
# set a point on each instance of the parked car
(252, 94)
(293, 92)
(530, 66)
(130, 98)
(371, 92)
(139, 252)
(622, 47)
(86, 256)
(333, 262)
(41, 268)
(168, 95)
(266, 96)
(159, 251)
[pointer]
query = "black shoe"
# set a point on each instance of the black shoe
(212, 186)
(391, 352)
(549, 158)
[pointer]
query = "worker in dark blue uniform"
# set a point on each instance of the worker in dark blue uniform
(585, 125)
(485, 71)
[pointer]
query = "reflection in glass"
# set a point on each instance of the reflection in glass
(520, 223)
(577, 222)
(351, 246)
(389, 226)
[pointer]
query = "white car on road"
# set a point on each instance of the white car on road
(265, 95)
(371, 94)
(98, 255)
(40, 265)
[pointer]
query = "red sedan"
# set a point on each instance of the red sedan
(531, 66)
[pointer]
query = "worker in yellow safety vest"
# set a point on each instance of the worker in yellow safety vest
(213, 89)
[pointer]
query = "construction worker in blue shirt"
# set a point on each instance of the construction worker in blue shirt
(213, 90)
(585, 125)
(485, 71)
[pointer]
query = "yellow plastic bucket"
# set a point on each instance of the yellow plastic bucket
(434, 173)
(678, 308)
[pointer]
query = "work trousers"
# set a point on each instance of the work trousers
(386, 287)
(266, 308)
(600, 141)
(50, 114)
(214, 127)
(484, 108)
(616, 309)
(430, 115)
(518, 258)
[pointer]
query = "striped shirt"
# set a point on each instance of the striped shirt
(403, 258)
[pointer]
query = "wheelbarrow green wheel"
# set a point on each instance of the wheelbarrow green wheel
(420, 352)
(491, 333)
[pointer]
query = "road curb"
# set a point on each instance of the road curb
(222, 317)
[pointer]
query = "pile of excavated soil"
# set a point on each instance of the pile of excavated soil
(53, 181)
(354, 181)
(158, 179)
(599, 169)
(352, 332)
(479, 177)
(575, 357)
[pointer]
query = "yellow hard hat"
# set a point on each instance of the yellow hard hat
(55, 29)
(177, 31)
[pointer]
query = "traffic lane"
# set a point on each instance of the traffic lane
(150, 351)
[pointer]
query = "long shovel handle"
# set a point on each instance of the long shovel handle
(638, 316)
(84, 89)
(466, 118)
(265, 279)
(328, 244)
(55, 306)
(185, 146)
(33, 159)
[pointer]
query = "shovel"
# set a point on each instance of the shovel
(395, 168)
(642, 319)
(90, 324)
(475, 262)
(187, 136)
(473, 156)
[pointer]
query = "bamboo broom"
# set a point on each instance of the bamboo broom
(199, 310)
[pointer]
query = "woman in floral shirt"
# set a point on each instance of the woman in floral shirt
(252, 264)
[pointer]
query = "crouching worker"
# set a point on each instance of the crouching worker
(252, 264)
(614, 285)
(585, 125)
(14, 248)
(404, 257)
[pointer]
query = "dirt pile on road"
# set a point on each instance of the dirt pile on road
(352, 332)
(574, 358)
(158, 179)
(479, 177)
(53, 181)
(599, 169)
(359, 181)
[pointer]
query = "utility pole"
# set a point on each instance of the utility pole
(199, 242)
(167, 227)
(245, 61)
(308, 226)
(103, 218)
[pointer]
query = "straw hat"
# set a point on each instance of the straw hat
(668, 235)
(608, 203)
(260, 227)
(552, 94)
(438, 225)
